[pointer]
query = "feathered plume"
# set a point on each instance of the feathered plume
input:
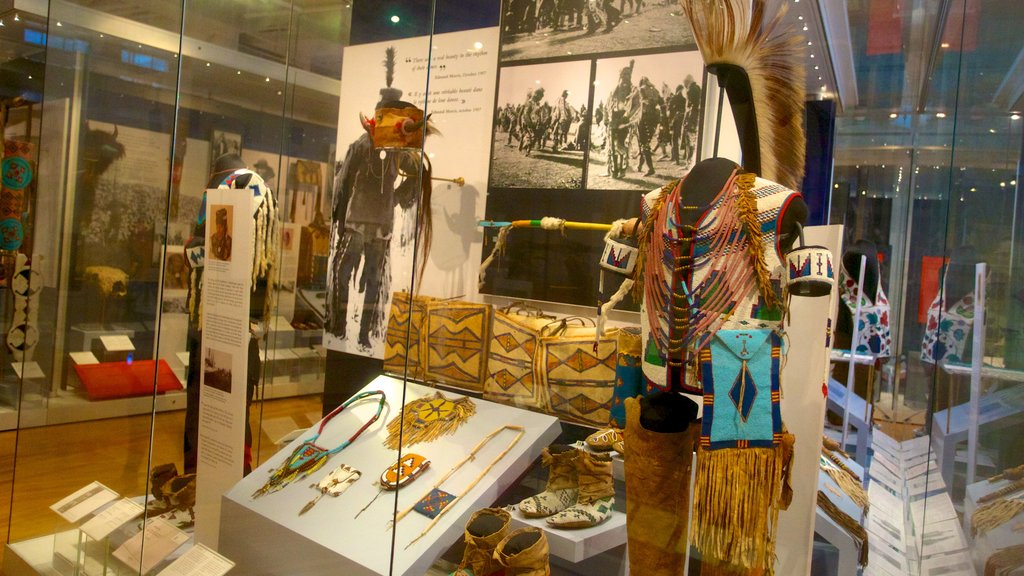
(737, 32)
(389, 65)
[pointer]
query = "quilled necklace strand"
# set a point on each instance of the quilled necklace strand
(308, 457)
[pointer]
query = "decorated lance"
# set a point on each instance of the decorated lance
(458, 180)
(545, 223)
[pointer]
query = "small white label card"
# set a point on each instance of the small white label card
(198, 561)
(111, 518)
(161, 538)
(117, 343)
(76, 506)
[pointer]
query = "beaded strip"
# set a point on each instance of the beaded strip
(1004, 491)
(1015, 473)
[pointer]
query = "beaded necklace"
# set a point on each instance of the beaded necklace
(308, 457)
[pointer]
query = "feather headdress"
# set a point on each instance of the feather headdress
(738, 33)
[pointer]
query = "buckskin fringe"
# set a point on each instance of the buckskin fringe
(414, 434)
(747, 204)
(730, 32)
(736, 508)
(852, 527)
(644, 240)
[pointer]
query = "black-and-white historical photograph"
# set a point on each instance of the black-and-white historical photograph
(217, 369)
(222, 143)
(534, 29)
(646, 121)
(540, 128)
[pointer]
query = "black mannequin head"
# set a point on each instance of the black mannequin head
(851, 262)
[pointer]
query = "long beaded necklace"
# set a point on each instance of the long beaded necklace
(308, 457)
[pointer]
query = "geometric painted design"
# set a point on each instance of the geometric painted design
(510, 376)
(580, 361)
(457, 338)
(402, 337)
(580, 383)
(508, 342)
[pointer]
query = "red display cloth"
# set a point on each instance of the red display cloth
(121, 380)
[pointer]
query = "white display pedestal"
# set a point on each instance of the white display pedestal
(328, 540)
(1000, 537)
(837, 403)
(997, 410)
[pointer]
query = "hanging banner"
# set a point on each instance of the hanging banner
(227, 286)
(375, 203)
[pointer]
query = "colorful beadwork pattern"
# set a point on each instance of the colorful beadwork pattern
(740, 373)
(434, 503)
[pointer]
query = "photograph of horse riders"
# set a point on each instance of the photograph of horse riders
(540, 128)
(537, 29)
(646, 120)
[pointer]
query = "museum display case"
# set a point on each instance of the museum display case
(461, 286)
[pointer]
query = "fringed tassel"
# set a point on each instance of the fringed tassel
(644, 241)
(993, 515)
(736, 507)
(413, 431)
(747, 204)
(499, 250)
(850, 487)
(852, 526)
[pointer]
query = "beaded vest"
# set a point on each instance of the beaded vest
(699, 276)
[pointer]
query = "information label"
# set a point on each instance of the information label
(161, 538)
(83, 502)
(111, 518)
(199, 561)
(227, 285)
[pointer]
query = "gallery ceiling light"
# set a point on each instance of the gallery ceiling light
(893, 115)
(395, 19)
(940, 114)
(1014, 116)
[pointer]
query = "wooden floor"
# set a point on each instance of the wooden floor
(54, 461)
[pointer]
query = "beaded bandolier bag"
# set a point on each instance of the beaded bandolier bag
(713, 308)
